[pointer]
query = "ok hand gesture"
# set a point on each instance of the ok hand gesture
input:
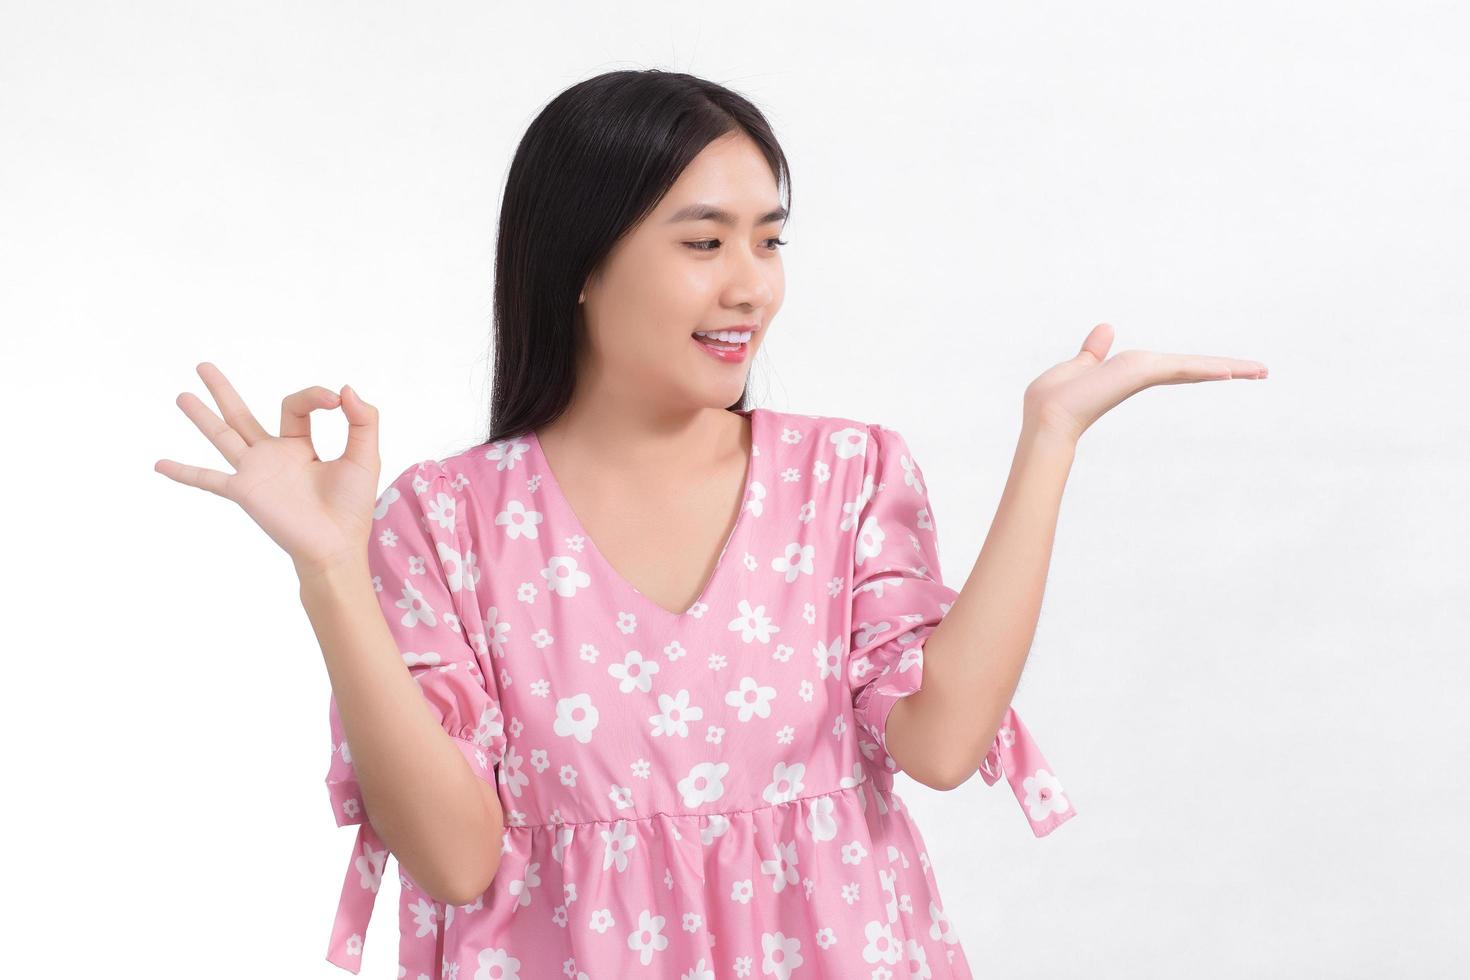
(320, 512)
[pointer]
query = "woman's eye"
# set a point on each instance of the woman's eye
(699, 246)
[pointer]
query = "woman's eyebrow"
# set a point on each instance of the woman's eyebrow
(709, 212)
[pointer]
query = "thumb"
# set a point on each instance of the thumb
(362, 429)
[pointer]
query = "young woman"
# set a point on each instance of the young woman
(672, 647)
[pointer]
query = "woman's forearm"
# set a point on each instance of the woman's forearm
(441, 820)
(973, 658)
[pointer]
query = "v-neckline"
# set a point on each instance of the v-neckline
(611, 573)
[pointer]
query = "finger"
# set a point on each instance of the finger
(296, 410)
(1176, 369)
(362, 430)
(1098, 341)
(212, 480)
(231, 405)
(215, 429)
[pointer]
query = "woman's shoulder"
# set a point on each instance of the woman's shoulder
(823, 435)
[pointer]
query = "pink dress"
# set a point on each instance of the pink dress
(689, 796)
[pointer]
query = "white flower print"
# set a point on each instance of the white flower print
(805, 690)
(601, 920)
(648, 937)
(576, 716)
(888, 879)
(782, 867)
(798, 559)
(869, 541)
(520, 888)
(576, 542)
(751, 562)
(506, 453)
(542, 638)
(499, 632)
(743, 965)
(852, 510)
(558, 850)
(627, 623)
(751, 698)
(674, 715)
(829, 658)
(704, 784)
(568, 775)
(634, 672)
(563, 576)
(588, 652)
(742, 891)
(425, 917)
(641, 768)
(851, 891)
(752, 623)
(781, 955)
(849, 442)
(518, 521)
(715, 662)
(617, 843)
(490, 726)
(940, 927)
(498, 963)
(416, 609)
(786, 735)
(692, 921)
(756, 504)
(460, 571)
(918, 960)
(853, 852)
(826, 938)
(441, 510)
(881, 946)
(511, 776)
(786, 782)
(700, 972)
(1044, 795)
(790, 436)
(714, 829)
(820, 822)
(527, 592)
(621, 796)
(782, 653)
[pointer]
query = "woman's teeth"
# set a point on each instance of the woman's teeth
(731, 339)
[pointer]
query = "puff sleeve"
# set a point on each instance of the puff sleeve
(898, 597)
(424, 571)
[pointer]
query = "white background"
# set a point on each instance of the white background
(1250, 670)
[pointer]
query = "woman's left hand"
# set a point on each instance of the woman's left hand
(1069, 397)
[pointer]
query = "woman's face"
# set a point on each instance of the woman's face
(677, 272)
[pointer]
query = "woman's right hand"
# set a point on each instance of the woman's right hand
(320, 512)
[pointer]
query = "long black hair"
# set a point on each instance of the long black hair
(595, 161)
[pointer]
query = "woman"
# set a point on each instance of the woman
(672, 646)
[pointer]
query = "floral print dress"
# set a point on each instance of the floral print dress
(698, 795)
